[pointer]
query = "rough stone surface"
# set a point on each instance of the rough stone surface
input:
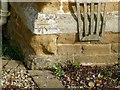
(45, 79)
(44, 44)
(69, 49)
(115, 48)
(96, 49)
(45, 61)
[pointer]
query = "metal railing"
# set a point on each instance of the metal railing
(91, 25)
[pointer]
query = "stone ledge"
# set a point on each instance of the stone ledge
(47, 61)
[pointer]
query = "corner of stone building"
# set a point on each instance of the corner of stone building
(44, 44)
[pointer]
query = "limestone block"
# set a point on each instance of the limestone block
(69, 49)
(96, 49)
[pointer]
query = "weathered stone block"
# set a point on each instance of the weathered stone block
(45, 61)
(44, 44)
(115, 48)
(97, 59)
(69, 49)
(96, 49)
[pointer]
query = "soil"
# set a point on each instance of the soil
(92, 77)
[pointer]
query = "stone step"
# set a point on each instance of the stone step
(45, 79)
(47, 61)
(87, 49)
(12, 64)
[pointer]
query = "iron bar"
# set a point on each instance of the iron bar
(98, 19)
(79, 19)
(92, 19)
(85, 19)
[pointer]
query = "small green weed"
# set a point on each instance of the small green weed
(109, 73)
(57, 70)
(77, 64)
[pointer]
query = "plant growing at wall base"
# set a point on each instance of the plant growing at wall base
(77, 64)
(57, 70)
(109, 73)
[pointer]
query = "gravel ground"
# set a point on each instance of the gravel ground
(90, 77)
(16, 79)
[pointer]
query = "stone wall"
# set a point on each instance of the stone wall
(30, 43)
(54, 7)
(66, 22)
(47, 44)
(42, 51)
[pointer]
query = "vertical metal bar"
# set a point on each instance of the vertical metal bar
(85, 18)
(79, 18)
(104, 19)
(98, 18)
(92, 18)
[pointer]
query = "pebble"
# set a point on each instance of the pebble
(87, 78)
(99, 81)
(91, 84)
(18, 78)
(98, 84)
